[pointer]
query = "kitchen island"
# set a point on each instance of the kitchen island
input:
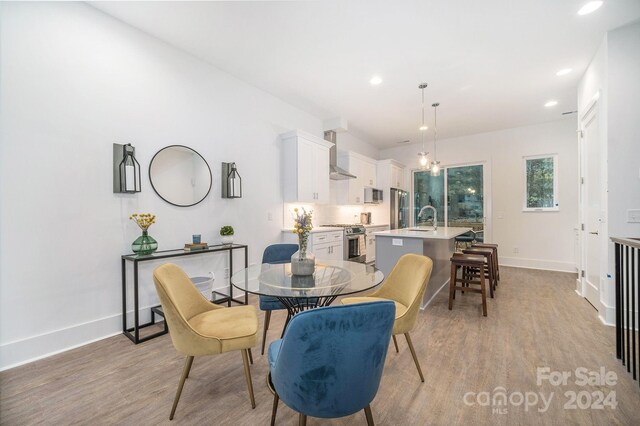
(438, 245)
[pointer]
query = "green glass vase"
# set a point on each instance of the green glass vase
(144, 244)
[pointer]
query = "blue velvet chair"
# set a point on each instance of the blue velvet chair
(330, 361)
(275, 253)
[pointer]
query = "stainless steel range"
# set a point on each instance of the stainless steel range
(355, 248)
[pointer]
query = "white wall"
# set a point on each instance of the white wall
(349, 142)
(73, 82)
(544, 239)
(613, 73)
(623, 137)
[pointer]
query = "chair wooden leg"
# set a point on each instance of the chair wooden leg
(185, 373)
(250, 356)
(489, 276)
(484, 293)
(413, 354)
(369, 415)
(302, 420)
(189, 370)
(274, 410)
(452, 286)
(267, 320)
(395, 343)
(247, 374)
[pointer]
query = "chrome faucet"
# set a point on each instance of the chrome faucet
(435, 216)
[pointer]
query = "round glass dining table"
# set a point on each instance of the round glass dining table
(332, 278)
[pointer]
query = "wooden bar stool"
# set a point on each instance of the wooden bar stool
(490, 266)
(495, 253)
(467, 262)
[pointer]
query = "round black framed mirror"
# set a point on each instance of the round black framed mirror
(180, 175)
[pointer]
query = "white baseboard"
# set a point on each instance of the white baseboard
(33, 348)
(435, 294)
(608, 315)
(23, 351)
(548, 265)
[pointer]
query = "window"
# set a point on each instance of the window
(463, 205)
(541, 183)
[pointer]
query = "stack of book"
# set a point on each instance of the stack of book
(196, 247)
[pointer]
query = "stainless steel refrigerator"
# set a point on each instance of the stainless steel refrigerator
(399, 209)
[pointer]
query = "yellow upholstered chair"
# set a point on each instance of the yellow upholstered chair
(405, 286)
(199, 327)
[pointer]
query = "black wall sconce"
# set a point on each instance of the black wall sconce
(231, 181)
(126, 169)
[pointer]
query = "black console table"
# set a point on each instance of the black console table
(133, 333)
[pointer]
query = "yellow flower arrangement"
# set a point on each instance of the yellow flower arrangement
(143, 220)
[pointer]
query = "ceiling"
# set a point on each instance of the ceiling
(491, 64)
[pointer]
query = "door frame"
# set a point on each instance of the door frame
(486, 193)
(592, 112)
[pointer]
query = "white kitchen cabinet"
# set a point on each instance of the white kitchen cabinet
(391, 175)
(397, 177)
(371, 241)
(327, 245)
(305, 165)
(351, 191)
(369, 173)
(324, 245)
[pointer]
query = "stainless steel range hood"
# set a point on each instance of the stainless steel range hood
(335, 172)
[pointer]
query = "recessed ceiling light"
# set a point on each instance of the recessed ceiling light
(564, 71)
(423, 128)
(375, 80)
(551, 104)
(592, 6)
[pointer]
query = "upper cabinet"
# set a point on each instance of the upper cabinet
(351, 191)
(305, 163)
(391, 175)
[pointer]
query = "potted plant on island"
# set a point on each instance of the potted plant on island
(227, 234)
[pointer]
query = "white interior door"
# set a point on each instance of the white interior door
(591, 206)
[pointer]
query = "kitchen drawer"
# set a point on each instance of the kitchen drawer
(376, 229)
(327, 237)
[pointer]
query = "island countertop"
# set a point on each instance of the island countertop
(425, 233)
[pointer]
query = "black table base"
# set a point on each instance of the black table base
(133, 333)
(295, 305)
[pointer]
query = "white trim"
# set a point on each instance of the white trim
(607, 315)
(22, 351)
(293, 134)
(32, 348)
(487, 225)
(547, 265)
(391, 161)
(424, 306)
(556, 200)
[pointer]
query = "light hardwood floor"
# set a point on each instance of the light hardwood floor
(536, 320)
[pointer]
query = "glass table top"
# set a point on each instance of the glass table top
(331, 278)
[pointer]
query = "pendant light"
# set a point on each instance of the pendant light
(435, 166)
(424, 155)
